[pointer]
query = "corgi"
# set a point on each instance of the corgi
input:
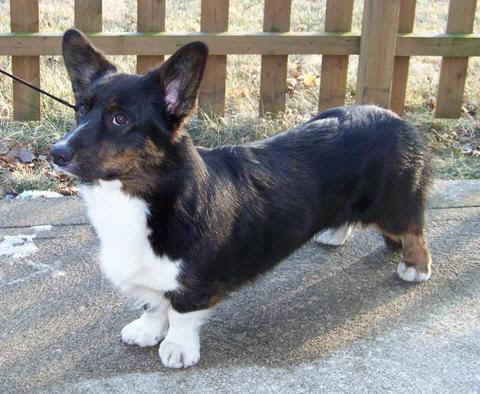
(180, 226)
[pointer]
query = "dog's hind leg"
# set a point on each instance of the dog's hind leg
(334, 237)
(416, 266)
(393, 242)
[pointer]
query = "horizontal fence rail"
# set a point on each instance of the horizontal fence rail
(450, 45)
(385, 46)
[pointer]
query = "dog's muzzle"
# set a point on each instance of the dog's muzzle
(61, 154)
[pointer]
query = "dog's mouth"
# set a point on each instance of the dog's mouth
(71, 170)
(87, 167)
(65, 169)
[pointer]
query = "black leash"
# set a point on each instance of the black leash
(38, 89)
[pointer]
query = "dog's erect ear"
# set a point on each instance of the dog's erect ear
(180, 78)
(83, 61)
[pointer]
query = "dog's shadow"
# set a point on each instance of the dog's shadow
(319, 301)
(324, 299)
(305, 310)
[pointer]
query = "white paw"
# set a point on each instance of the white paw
(334, 237)
(144, 332)
(410, 274)
(174, 355)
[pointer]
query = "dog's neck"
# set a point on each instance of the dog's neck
(154, 180)
(176, 199)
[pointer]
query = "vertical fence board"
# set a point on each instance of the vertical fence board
(333, 80)
(88, 15)
(453, 73)
(150, 18)
(402, 63)
(212, 93)
(377, 51)
(26, 102)
(273, 83)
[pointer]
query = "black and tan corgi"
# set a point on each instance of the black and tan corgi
(181, 226)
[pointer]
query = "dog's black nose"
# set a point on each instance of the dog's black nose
(61, 154)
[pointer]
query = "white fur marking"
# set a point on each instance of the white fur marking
(335, 237)
(410, 274)
(181, 346)
(126, 256)
(70, 135)
(149, 329)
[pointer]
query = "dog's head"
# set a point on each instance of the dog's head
(127, 125)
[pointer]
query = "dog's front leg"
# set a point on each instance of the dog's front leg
(181, 346)
(150, 328)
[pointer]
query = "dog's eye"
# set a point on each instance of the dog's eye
(119, 119)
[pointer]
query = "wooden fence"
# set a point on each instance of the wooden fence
(384, 46)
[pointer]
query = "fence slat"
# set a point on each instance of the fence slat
(88, 15)
(402, 63)
(150, 18)
(333, 80)
(377, 50)
(212, 93)
(26, 102)
(273, 82)
(453, 73)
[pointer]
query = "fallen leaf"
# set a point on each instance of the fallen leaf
(22, 154)
(295, 70)
(4, 110)
(8, 159)
(291, 84)
(309, 80)
(470, 109)
(431, 103)
(3, 148)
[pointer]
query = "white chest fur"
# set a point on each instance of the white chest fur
(126, 256)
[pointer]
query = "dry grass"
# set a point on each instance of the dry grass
(241, 123)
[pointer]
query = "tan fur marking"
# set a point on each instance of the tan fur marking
(133, 167)
(111, 104)
(415, 249)
(214, 300)
(415, 252)
(154, 155)
(393, 237)
(120, 162)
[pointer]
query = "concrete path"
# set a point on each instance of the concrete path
(327, 320)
